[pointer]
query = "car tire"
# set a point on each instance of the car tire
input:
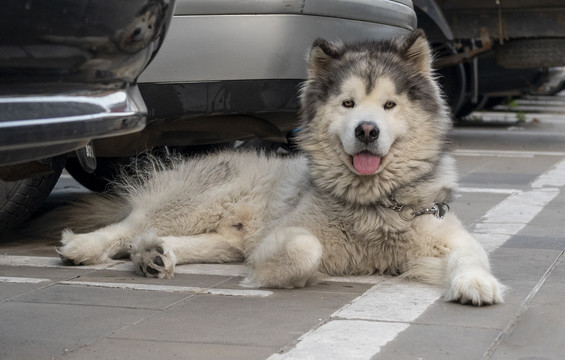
(107, 170)
(21, 198)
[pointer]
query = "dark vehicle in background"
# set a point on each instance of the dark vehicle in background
(68, 71)
(488, 50)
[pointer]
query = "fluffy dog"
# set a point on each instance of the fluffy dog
(367, 196)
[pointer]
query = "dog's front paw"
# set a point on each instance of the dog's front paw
(477, 287)
(152, 258)
(82, 249)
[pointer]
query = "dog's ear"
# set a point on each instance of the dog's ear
(416, 50)
(321, 55)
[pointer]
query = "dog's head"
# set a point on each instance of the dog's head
(372, 116)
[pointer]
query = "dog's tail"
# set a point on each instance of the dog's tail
(84, 213)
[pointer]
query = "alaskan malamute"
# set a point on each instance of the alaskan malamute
(368, 195)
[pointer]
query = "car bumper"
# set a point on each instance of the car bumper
(216, 40)
(33, 127)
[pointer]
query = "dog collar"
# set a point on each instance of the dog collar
(409, 212)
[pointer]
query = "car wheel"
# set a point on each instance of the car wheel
(107, 170)
(19, 199)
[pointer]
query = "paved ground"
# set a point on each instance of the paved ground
(512, 177)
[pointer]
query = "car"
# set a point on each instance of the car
(227, 72)
(489, 50)
(68, 71)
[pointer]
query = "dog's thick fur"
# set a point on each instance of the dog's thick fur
(373, 129)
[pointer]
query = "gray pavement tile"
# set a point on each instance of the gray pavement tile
(438, 343)
(549, 221)
(443, 313)
(120, 349)
(470, 207)
(44, 272)
(497, 180)
(538, 334)
(273, 321)
(132, 278)
(12, 244)
(45, 331)
(321, 287)
(11, 291)
(85, 295)
(535, 242)
(521, 264)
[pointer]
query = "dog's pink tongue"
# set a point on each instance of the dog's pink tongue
(366, 163)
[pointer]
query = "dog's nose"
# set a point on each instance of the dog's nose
(367, 132)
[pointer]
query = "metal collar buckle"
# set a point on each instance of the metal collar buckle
(408, 212)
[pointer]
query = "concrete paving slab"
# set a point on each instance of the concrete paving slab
(12, 290)
(522, 264)
(487, 179)
(470, 207)
(85, 295)
(274, 321)
(46, 331)
(323, 287)
(535, 242)
(443, 313)
(197, 280)
(437, 343)
(123, 349)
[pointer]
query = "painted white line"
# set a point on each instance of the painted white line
(505, 153)
(48, 262)
(394, 300)
(555, 177)
(333, 340)
(487, 190)
(22, 280)
(166, 288)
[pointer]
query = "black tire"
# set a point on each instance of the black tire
(107, 170)
(21, 198)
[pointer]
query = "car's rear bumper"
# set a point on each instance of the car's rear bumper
(216, 40)
(38, 126)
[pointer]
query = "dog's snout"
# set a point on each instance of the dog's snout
(367, 132)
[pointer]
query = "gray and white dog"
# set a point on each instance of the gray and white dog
(368, 195)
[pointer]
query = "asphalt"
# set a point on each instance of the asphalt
(512, 178)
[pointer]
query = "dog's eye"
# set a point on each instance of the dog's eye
(348, 103)
(389, 105)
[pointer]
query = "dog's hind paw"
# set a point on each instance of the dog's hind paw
(152, 258)
(477, 288)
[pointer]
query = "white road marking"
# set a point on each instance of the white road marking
(487, 191)
(333, 340)
(505, 153)
(554, 177)
(166, 288)
(22, 280)
(48, 262)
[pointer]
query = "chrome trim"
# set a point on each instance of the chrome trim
(109, 113)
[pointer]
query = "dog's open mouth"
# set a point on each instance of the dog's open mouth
(366, 163)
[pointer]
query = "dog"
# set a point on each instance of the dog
(367, 194)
